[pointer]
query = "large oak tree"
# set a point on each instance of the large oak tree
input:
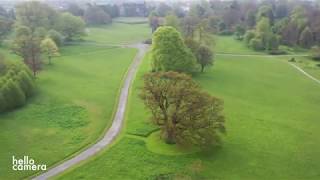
(185, 114)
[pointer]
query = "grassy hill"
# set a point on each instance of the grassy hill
(272, 113)
(74, 103)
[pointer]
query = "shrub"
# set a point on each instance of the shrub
(256, 44)
(26, 83)
(17, 97)
(315, 53)
(249, 36)
(16, 85)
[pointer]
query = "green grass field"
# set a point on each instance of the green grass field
(73, 106)
(227, 44)
(310, 66)
(74, 103)
(131, 20)
(272, 114)
(119, 33)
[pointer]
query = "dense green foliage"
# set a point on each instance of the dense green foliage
(49, 48)
(204, 57)
(34, 19)
(5, 27)
(71, 27)
(95, 15)
(16, 85)
(56, 37)
(169, 53)
(185, 114)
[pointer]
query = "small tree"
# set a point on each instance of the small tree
(185, 114)
(169, 53)
(173, 21)
(249, 36)
(27, 45)
(256, 44)
(204, 31)
(204, 57)
(240, 31)
(71, 26)
(49, 48)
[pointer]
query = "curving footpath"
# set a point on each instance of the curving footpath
(114, 130)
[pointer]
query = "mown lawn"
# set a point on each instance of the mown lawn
(73, 105)
(228, 44)
(312, 67)
(119, 33)
(272, 114)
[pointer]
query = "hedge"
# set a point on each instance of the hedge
(16, 85)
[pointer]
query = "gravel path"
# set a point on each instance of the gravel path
(116, 125)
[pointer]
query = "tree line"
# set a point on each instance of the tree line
(186, 115)
(40, 30)
(263, 25)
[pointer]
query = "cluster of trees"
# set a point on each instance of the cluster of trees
(16, 84)
(40, 30)
(264, 25)
(94, 14)
(186, 115)
(267, 24)
(194, 28)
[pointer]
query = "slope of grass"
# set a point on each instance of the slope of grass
(310, 66)
(131, 20)
(74, 104)
(119, 33)
(227, 44)
(272, 114)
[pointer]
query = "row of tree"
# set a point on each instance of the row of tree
(39, 30)
(16, 85)
(272, 23)
(267, 24)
